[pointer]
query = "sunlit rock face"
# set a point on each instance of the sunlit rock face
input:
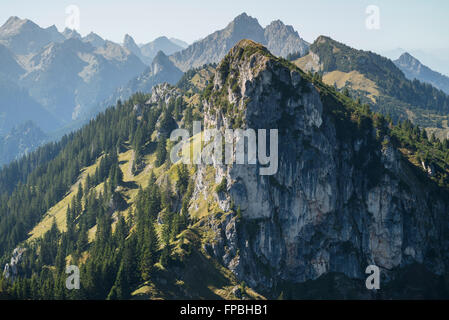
(335, 205)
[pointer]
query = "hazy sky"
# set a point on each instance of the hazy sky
(408, 24)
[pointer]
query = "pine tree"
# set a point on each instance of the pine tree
(161, 152)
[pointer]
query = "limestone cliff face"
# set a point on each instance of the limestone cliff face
(336, 204)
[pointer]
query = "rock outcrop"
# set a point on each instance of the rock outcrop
(10, 270)
(337, 203)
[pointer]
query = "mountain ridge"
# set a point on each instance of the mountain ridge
(414, 69)
(215, 46)
(414, 100)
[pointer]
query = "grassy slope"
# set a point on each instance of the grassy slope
(365, 87)
(59, 210)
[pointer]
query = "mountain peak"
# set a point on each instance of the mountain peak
(94, 39)
(244, 50)
(243, 21)
(14, 24)
(324, 39)
(13, 19)
(160, 55)
(23, 36)
(407, 58)
(280, 39)
(70, 33)
(247, 43)
(414, 69)
(129, 41)
(244, 16)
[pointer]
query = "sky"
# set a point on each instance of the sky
(407, 24)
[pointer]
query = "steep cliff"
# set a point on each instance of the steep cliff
(343, 197)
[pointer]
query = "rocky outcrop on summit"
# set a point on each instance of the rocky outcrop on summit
(337, 203)
(279, 38)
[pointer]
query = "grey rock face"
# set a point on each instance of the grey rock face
(334, 206)
(282, 40)
(163, 92)
(130, 44)
(414, 69)
(151, 49)
(278, 37)
(10, 270)
(69, 33)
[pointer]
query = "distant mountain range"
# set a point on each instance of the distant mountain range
(279, 39)
(435, 59)
(55, 78)
(161, 70)
(23, 37)
(62, 72)
(414, 69)
(148, 51)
